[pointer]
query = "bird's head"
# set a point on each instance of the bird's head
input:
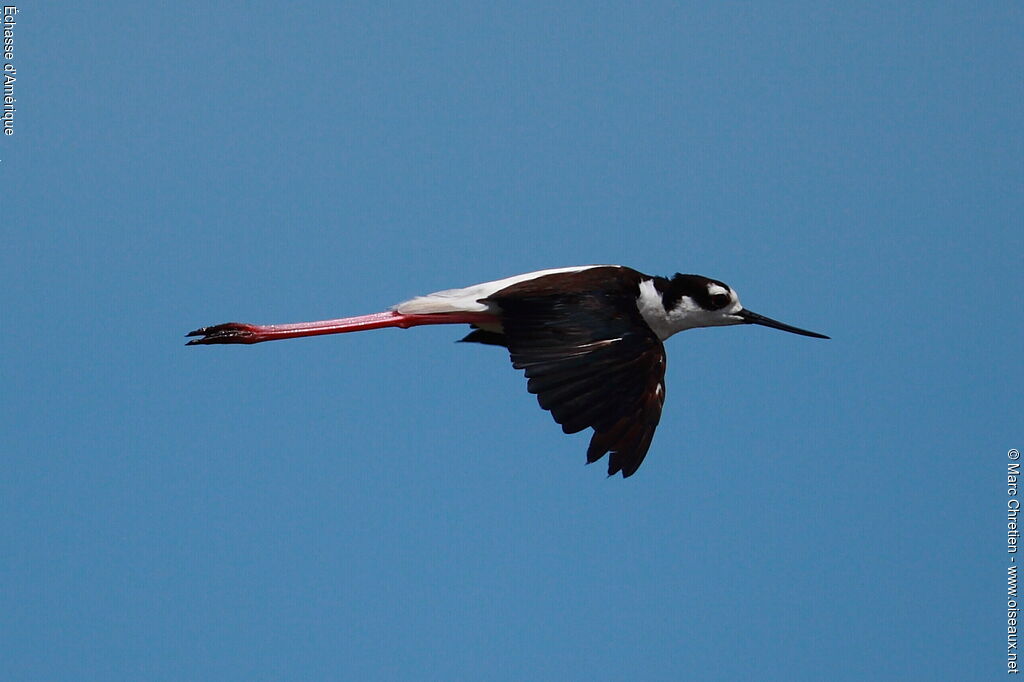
(695, 301)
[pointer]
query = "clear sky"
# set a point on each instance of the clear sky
(392, 505)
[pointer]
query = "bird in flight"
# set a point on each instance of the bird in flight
(588, 337)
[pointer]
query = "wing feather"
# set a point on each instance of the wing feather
(593, 362)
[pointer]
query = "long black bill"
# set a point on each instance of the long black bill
(753, 318)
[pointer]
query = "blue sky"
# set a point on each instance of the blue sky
(392, 505)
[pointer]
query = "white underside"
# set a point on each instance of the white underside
(467, 299)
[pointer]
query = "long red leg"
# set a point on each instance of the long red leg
(238, 332)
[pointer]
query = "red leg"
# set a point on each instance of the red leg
(238, 332)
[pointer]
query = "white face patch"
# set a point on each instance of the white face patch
(716, 289)
(734, 300)
(686, 314)
(734, 304)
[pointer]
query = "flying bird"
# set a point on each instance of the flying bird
(588, 337)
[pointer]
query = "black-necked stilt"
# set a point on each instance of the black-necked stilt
(589, 337)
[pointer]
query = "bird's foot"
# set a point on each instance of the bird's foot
(229, 332)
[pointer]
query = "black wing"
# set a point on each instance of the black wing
(591, 360)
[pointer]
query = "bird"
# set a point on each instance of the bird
(589, 338)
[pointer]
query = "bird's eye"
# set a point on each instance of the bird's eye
(719, 301)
